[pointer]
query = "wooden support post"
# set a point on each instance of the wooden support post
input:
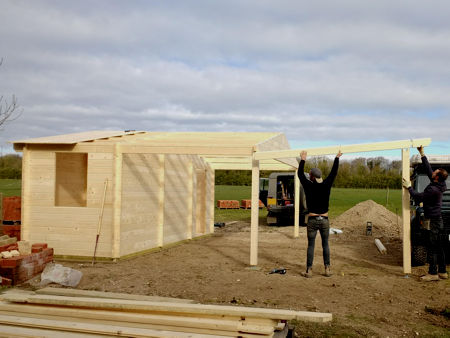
(406, 214)
(117, 209)
(25, 220)
(161, 177)
(254, 214)
(296, 205)
(190, 198)
(211, 198)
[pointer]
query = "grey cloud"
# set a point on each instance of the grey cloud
(315, 71)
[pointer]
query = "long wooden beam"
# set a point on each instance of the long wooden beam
(191, 150)
(254, 222)
(345, 149)
(406, 214)
(166, 307)
(242, 166)
(245, 163)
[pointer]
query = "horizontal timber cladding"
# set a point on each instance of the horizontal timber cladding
(180, 197)
(70, 230)
(140, 204)
(147, 177)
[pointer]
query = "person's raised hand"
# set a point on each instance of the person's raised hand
(303, 155)
(406, 183)
(421, 151)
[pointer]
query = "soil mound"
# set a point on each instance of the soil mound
(354, 221)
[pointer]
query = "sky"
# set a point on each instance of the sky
(323, 72)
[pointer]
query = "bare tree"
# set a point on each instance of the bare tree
(8, 108)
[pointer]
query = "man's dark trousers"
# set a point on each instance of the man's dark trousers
(322, 225)
(436, 250)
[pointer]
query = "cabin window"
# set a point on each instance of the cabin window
(71, 179)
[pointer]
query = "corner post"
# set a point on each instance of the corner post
(212, 185)
(406, 214)
(254, 214)
(117, 209)
(25, 223)
(161, 160)
(296, 205)
(190, 200)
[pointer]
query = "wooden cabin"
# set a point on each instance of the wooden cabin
(137, 190)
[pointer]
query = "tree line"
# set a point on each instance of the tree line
(369, 173)
(11, 166)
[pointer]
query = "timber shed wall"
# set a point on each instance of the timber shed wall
(163, 199)
(146, 180)
(70, 230)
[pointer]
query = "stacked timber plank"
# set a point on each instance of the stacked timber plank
(87, 315)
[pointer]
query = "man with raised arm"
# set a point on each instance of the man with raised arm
(431, 198)
(317, 192)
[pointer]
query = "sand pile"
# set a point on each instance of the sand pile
(354, 221)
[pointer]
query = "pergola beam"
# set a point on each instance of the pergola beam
(345, 149)
(245, 163)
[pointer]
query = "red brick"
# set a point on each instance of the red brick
(12, 247)
(10, 262)
(6, 281)
(11, 208)
(228, 204)
(247, 204)
(42, 245)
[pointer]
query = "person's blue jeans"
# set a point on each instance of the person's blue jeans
(436, 249)
(323, 226)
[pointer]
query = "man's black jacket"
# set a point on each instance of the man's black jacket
(432, 195)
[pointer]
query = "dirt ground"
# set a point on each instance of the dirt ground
(368, 294)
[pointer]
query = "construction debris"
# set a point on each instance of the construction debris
(83, 314)
(380, 246)
(56, 273)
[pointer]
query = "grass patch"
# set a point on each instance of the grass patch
(341, 199)
(10, 187)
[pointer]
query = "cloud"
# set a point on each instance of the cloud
(346, 73)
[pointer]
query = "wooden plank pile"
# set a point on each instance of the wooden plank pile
(56, 312)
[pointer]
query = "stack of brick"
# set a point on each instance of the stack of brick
(16, 270)
(11, 230)
(8, 243)
(228, 204)
(11, 210)
(247, 204)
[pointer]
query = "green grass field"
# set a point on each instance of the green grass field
(341, 200)
(10, 187)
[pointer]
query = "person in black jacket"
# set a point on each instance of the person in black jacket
(432, 203)
(317, 192)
